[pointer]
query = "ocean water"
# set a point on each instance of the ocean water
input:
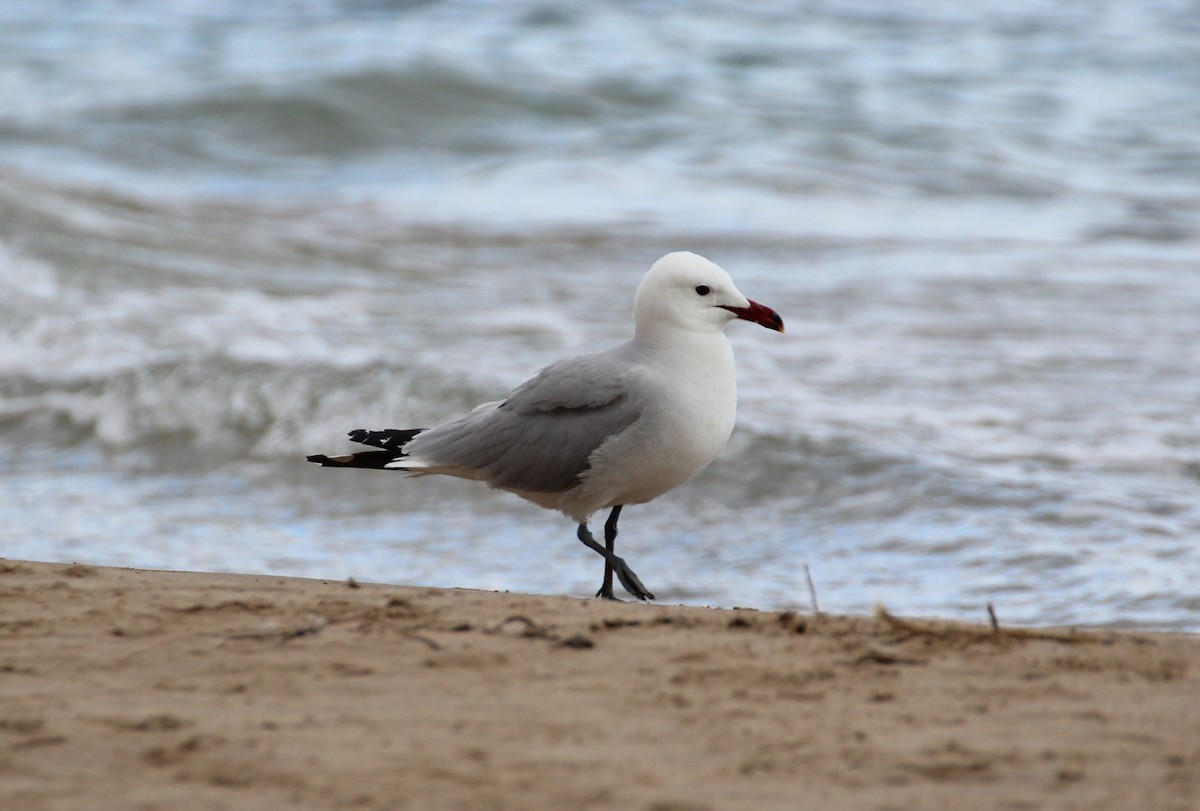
(231, 232)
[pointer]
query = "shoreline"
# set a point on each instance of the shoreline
(130, 688)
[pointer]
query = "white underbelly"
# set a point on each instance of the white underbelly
(674, 441)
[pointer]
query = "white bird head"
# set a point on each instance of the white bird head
(686, 291)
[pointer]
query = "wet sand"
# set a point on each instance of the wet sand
(131, 689)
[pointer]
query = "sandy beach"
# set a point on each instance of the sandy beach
(131, 689)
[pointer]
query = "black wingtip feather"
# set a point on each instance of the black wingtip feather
(391, 442)
(371, 460)
(391, 439)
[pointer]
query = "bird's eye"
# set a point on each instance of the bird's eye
(703, 289)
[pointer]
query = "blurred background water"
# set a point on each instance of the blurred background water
(230, 232)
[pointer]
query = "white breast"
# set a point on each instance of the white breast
(688, 419)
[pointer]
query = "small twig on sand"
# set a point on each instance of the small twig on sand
(812, 591)
(532, 629)
(961, 630)
(314, 623)
(992, 616)
(878, 657)
(422, 639)
(535, 631)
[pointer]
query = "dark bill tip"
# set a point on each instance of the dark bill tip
(759, 314)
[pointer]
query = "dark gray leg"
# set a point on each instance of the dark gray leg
(610, 544)
(613, 563)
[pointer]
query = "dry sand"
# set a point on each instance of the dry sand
(127, 689)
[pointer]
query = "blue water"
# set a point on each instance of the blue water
(229, 233)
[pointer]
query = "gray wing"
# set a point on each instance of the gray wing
(540, 438)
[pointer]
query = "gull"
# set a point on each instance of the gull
(604, 430)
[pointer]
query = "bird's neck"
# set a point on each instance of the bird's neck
(686, 349)
(664, 338)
